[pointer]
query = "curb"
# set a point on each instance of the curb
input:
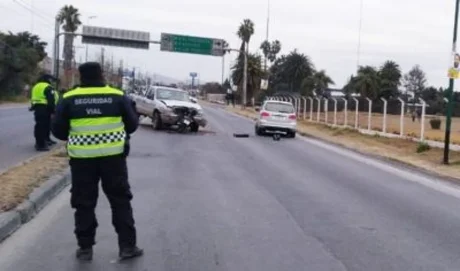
(12, 220)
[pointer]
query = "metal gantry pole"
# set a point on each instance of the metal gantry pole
(450, 105)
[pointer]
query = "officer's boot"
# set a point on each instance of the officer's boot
(128, 253)
(50, 142)
(84, 254)
(41, 148)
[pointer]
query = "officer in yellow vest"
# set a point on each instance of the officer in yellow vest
(96, 120)
(43, 104)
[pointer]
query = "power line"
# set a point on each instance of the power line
(45, 20)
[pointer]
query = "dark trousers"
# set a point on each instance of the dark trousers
(113, 173)
(42, 127)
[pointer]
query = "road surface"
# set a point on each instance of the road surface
(213, 202)
(16, 135)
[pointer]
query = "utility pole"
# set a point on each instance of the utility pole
(102, 59)
(267, 32)
(245, 74)
(86, 55)
(56, 50)
(359, 34)
(450, 104)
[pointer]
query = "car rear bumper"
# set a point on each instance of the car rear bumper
(276, 126)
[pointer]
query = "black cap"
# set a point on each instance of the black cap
(46, 78)
(90, 71)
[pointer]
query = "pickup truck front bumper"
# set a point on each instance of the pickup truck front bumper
(171, 119)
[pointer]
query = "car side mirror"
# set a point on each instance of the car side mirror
(257, 109)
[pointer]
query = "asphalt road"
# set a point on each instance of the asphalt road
(214, 202)
(16, 135)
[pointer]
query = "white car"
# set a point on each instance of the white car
(159, 104)
(276, 116)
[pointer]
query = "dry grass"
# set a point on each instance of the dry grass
(411, 128)
(18, 182)
(14, 100)
(393, 148)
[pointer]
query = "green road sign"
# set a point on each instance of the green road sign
(191, 45)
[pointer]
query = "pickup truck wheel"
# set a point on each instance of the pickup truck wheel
(156, 121)
(194, 128)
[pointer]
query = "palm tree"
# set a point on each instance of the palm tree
(255, 73)
(390, 76)
(318, 82)
(297, 67)
(368, 82)
(245, 31)
(69, 18)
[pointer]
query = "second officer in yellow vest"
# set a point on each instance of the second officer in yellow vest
(43, 102)
(96, 120)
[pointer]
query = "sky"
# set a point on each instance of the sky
(408, 32)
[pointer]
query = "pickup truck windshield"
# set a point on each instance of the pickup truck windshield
(170, 94)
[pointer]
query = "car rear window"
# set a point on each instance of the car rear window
(279, 107)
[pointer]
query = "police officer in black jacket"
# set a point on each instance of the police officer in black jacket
(96, 120)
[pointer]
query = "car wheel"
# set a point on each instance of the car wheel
(258, 131)
(194, 128)
(156, 121)
(292, 134)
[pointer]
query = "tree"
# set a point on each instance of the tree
(212, 87)
(255, 73)
(69, 18)
(227, 84)
(245, 32)
(390, 79)
(367, 82)
(297, 67)
(350, 86)
(19, 57)
(318, 82)
(414, 81)
(270, 50)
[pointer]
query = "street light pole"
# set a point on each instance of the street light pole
(86, 55)
(245, 75)
(450, 105)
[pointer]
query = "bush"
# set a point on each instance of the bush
(435, 123)
(423, 147)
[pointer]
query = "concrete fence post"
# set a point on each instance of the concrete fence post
(356, 112)
(311, 108)
(369, 118)
(401, 120)
(345, 111)
(319, 109)
(384, 125)
(326, 108)
(335, 111)
(422, 127)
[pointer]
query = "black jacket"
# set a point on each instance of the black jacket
(68, 109)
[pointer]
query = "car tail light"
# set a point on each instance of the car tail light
(292, 117)
(264, 114)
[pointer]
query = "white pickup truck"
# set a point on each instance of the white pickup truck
(159, 103)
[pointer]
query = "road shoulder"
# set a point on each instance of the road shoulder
(390, 150)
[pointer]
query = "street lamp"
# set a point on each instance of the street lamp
(89, 18)
(450, 105)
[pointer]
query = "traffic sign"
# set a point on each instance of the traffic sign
(191, 44)
(115, 37)
(193, 74)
